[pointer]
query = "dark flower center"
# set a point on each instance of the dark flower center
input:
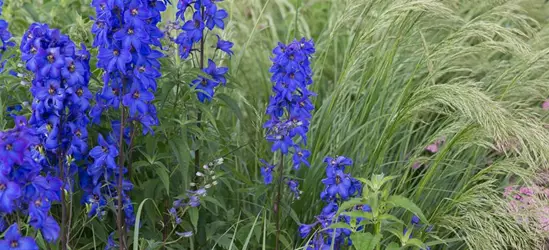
(134, 12)
(300, 154)
(49, 127)
(79, 92)
(302, 104)
(105, 149)
(51, 91)
(338, 179)
(292, 75)
(51, 58)
(292, 57)
(78, 133)
(116, 52)
(115, 91)
(38, 203)
(72, 68)
(9, 147)
(135, 95)
(14, 244)
(141, 69)
(2, 186)
(100, 24)
(196, 23)
(203, 82)
(359, 207)
(102, 6)
(333, 162)
(130, 31)
(95, 197)
(33, 50)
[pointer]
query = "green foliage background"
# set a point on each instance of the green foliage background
(392, 76)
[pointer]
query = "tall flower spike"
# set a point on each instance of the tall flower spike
(205, 15)
(60, 101)
(126, 34)
(290, 107)
(5, 38)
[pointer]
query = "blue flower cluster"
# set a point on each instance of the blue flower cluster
(26, 189)
(205, 15)
(5, 37)
(126, 33)
(290, 107)
(60, 91)
(339, 187)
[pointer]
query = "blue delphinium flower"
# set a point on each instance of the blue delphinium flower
(5, 38)
(290, 106)
(267, 172)
(26, 188)
(126, 35)
(61, 97)
(339, 186)
(14, 241)
(206, 14)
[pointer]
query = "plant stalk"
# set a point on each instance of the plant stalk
(277, 205)
(119, 215)
(64, 226)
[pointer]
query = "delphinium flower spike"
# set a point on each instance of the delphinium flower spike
(61, 99)
(290, 113)
(5, 38)
(339, 186)
(27, 189)
(126, 34)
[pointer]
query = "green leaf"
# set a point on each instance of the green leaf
(365, 241)
(340, 225)
(415, 242)
(389, 217)
(350, 203)
(232, 104)
(162, 173)
(403, 202)
(357, 214)
(393, 246)
(193, 216)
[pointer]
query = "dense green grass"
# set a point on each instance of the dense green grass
(392, 76)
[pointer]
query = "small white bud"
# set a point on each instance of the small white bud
(193, 184)
(24, 83)
(199, 174)
(214, 177)
(205, 167)
(214, 183)
(208, 186)
(212, 172)
(19, 75)
(219, 161)
(19, 65)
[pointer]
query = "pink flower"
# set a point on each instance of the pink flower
(434, 147)
(527, 191)
(545, 105)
